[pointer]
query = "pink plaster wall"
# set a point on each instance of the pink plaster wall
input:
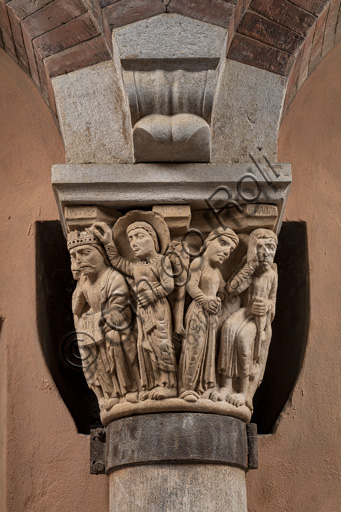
(299, 466)
(44, 461)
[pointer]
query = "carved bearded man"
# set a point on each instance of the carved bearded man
(246, 334)
(100, 305)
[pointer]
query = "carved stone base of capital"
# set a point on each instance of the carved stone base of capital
(175, 405)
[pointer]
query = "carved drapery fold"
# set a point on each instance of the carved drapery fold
(206, 353)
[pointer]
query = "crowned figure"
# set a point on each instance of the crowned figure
(103, 321)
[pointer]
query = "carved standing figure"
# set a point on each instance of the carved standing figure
(246, 334)
(143, 237)
(197, 362)
(103, 322)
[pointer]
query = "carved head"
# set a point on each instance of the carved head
(87, 254)
(264, 243)
(219, 245)
(142, 240)
(151, 226)
(76, 273)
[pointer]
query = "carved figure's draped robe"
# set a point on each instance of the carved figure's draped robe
(197, 361)
(156, 353)
(239, 331)
(106, 341)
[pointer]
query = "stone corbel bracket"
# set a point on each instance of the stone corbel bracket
(171, 66)
(214, 189)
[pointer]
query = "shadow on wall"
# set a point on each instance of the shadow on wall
(290, 327)
(55, 324)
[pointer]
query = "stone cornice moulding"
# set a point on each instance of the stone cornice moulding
(143, 185)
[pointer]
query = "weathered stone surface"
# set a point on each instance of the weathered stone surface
(252, 444)
(169, 36)
(181, 438)
(177, 217)
(79, 217)
(179, 138)
(170, 75)
(178, 488)
(93, 115)
(246, 114)
(177, 405)
(140, 184)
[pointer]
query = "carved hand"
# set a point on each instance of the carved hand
(260, 306)
(213, 305)
(110, 320)
(103, 232)
(146, 297)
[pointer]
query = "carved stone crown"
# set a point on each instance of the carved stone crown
(77, 238)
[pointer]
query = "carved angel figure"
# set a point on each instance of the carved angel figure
(143, 237)
(197, 362)
(246, 334)
(103, 322)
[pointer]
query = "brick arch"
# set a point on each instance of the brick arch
(48, 38)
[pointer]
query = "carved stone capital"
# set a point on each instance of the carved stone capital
(172, 325)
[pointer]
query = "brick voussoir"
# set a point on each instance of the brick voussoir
(6, 31)
(18, 10)
(254, 53)
(52, 37)
(77, 57)
(67, 35)
(269, 32)
(42, 22)
(216, 12)
(129, 11)
(284, 13)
